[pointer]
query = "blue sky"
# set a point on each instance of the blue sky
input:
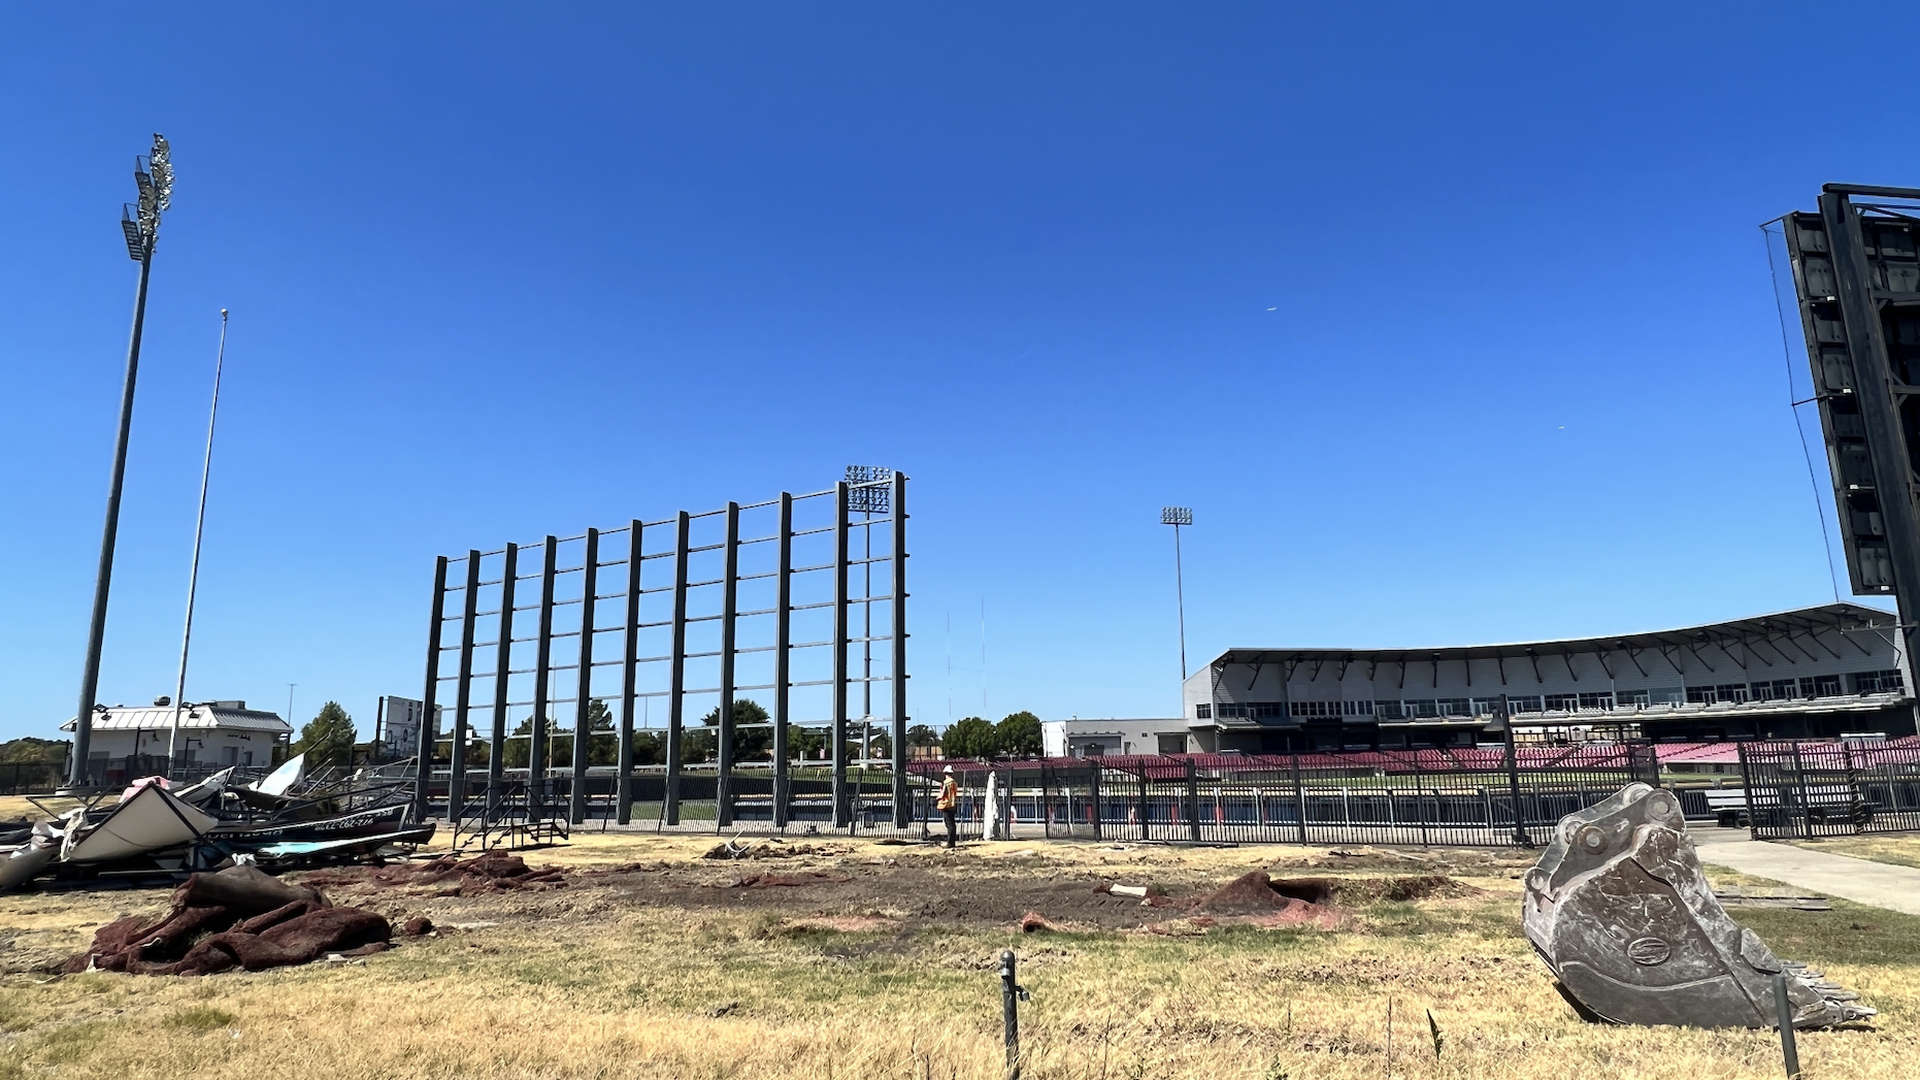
(1451, 327)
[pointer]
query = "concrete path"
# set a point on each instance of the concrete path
(1896, 888)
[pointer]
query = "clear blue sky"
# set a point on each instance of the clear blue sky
(1451, 327)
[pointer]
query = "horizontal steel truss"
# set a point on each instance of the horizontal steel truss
(460, 784)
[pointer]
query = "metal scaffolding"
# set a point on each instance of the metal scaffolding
(685, 609)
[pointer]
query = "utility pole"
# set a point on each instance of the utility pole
(153, 175)
(1177, 516)
(193, 575)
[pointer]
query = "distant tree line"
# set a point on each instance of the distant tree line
(1017, 735)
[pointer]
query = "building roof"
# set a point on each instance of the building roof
(218, 715)
(1791, 626)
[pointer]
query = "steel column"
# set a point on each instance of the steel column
(782, 638)
(678, 666)
(543, 659)
(423, 764)
(899, 642)
(841, 811)
(583, 694)
(1893, 473)
(463, 694)
(729, 604)
(502, 667)
(1193, 802)
(623, 785)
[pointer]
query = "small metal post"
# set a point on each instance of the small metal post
(1783, 1012)
(463, 696)
(1093, 799)
(1011, 994)
(1520, 835)
(898, 629)
(502, 669)
(841, 816)
(629, 662)
(729, 605)
(1299, 799)
(782, 639)
(543, 660)
(423, 764)
(583, 694)
(1193, 802)
(677, 677)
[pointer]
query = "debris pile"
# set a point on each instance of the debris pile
(239, 917)
(281, 821)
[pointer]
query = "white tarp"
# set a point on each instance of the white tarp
(284, 777)
(152, 820)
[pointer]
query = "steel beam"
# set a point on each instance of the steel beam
(463, 695)
(502, 668)
(729, 605)
(623, 785)
(678, 666)
(842, 811)
(782, 674)
(583, 693)
(901, 811)
(423, 764)
(543, 663)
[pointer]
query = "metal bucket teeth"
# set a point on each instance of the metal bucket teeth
(1621, 913)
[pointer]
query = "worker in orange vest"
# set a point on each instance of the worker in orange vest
(949, 801)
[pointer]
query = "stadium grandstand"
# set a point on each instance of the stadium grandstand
(1815, 673)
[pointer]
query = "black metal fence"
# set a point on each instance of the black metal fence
(1801, 790)
(1424, 797)
(38, 777)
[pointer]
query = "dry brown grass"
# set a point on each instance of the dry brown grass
(1900, 849)
(580, 983)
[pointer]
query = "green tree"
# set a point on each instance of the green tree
(520, 746)
(749, 744)
(805, 742)
(922, 735)
(328, 738)
(1018, 736)
(603, 744)
(969, 738)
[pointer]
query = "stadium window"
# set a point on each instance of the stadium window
(1731, 692)
(1421, 708)
(1268, 710)
(1388, 710)
(1632, 699)
(1876, 682)
(1523, 703)
(1228, 708)
(1562, 702)
(1172, 744)
(1700, 695)
(1596, 701)
(1203, 712)
(1820, 686)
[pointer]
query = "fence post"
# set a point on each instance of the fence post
(1146, 805)
(1855, 804)
(1747, 783)
(1299, 799)
(1806, 808)
(1010, 995)
(1193, 802)
(1520, 837)
(1093, 796)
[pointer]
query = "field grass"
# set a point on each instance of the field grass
(588, 981)
(1899, 849)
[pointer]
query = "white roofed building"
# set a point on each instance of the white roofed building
(212, 734)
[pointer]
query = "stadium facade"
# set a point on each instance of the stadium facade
(1817, 672)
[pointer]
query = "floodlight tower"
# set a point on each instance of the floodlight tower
(868, 487)
(153, 175)
(1177, 516)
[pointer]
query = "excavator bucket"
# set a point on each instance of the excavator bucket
(1623, 916)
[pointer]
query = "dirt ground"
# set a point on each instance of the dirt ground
(821, 957)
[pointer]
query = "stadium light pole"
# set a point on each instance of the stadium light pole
(153, 175)
(1177, 516)
(193, 575)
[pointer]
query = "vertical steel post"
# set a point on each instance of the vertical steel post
(543, 661)
(629, 673)
(1783, 1018)
(423, 764)
(1193, 801)
(1299, 798)
(103, 576)
(782, 638)
(898, 630)
(502, 670)
(729, 605)
(1520, 835)
(677, 680)
(463, 696)
(841, 811)
(583, 694)
(1010, 993)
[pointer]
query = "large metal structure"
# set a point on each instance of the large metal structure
(140, 223)
(1856, 275)
(766, 612)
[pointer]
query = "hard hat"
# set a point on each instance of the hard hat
(948, 769)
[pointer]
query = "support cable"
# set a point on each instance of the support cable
(1786, 351)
